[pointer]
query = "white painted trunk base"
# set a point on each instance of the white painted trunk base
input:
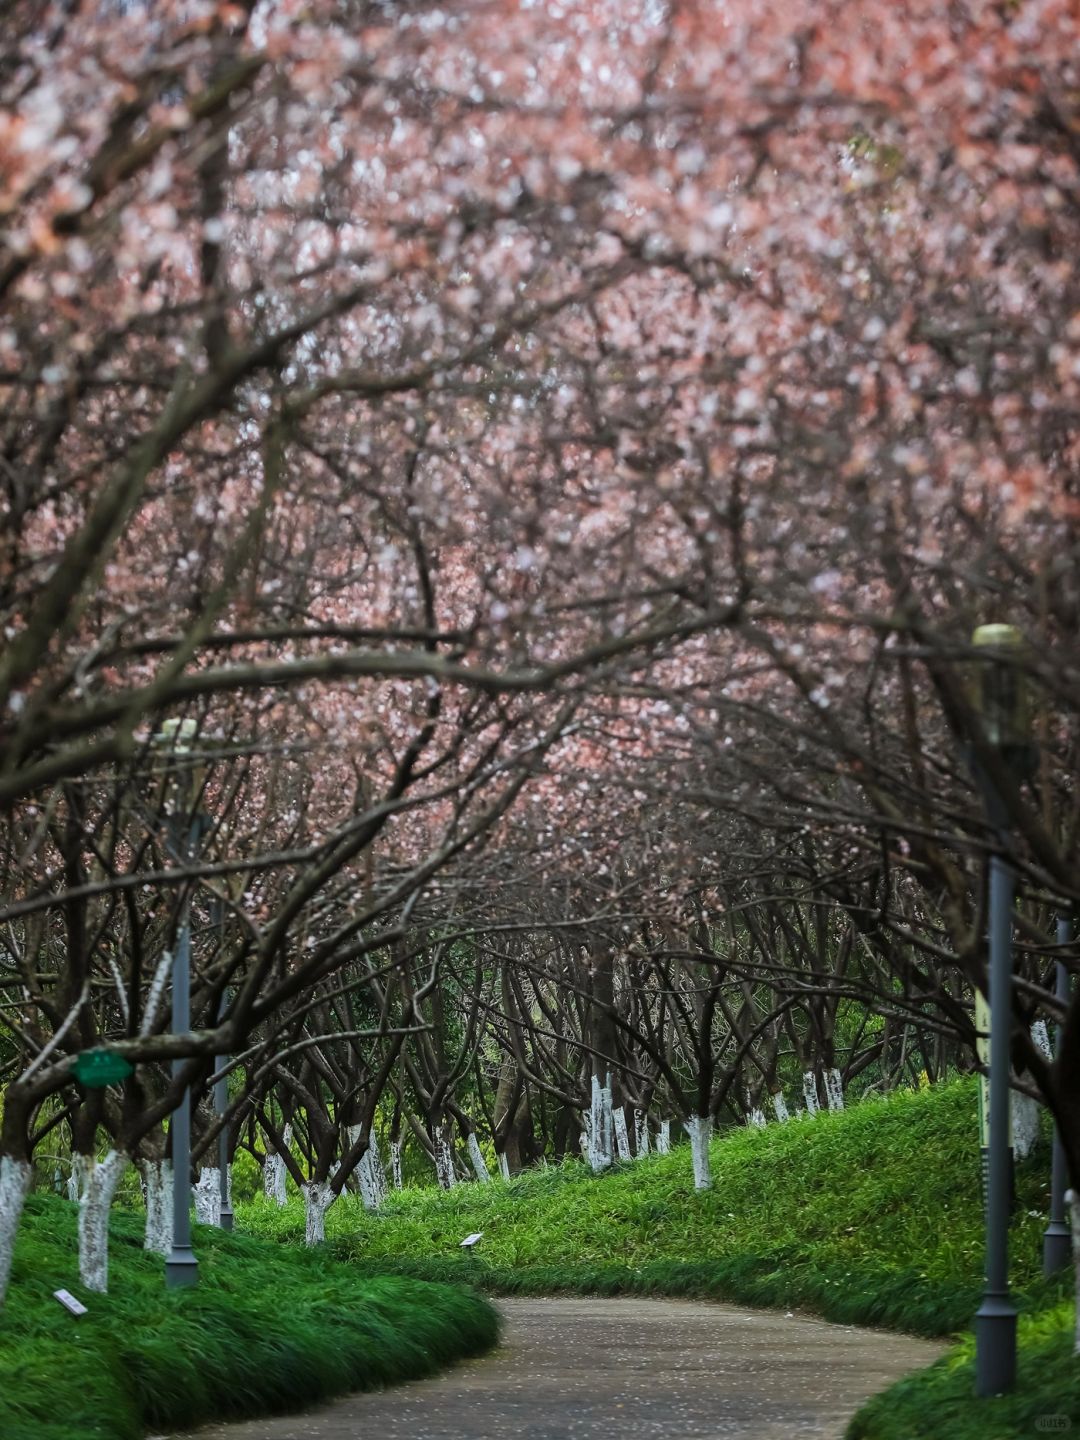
(699, 1128)
(207, 1195)
(809, 1088)
(94, 1205)
(641, 1132)
(444, 1165)
(834, 1089)
(395, 1163)
(318, 1197)
(157, 1189)
(756, 1118)
(1025, 1124)
(622, 1135)
(476, 1160)
(599, 1129)
(274, 1172)
(377, 1170)
(663, 1138)
(15, 1177)
(76, 1182)
(504, 1166)
(779, 1105)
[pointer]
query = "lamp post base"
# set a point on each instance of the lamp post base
(1057, 1247)
(995, 1346)
(181, 1269)
(226, 1220)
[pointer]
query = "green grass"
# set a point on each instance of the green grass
(268, 1327)
(871, 1216)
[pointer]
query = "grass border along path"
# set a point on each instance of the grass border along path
(268, 1327)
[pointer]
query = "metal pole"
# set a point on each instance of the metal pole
(995, 1322)
(221, 1104)
(1057, 1237)
(181, 1268)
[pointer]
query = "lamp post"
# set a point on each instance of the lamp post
(181, 1266)
(1057, 1237)
(221, 1105)
(1002, 704)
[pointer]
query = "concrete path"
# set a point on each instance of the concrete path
(639, 1369)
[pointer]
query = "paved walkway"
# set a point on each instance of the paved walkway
(639, 1369)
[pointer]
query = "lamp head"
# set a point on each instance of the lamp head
(1001, 693)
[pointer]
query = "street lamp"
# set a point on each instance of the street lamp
(1057, 1237)
(1002, 703)
(181, 1266)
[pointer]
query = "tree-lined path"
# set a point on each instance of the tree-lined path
(629, 1368)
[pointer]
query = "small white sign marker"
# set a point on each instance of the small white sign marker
(69, 1302)
(471, 1240)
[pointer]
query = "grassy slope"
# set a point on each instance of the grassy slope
(268, 1327)
(871, 1216)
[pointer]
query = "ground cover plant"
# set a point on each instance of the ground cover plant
(871, 1215)
(267, 1328)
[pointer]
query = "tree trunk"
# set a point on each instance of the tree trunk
(598, 1131)
(15, 1177)
(663, 1138)
(157, 1179)
(699, 1128)
(809, 1086)
(207, 1195)
(476, 1159)
(779, 1105)
(756, 1118)
(504, 1165)
(395, 1163)
(444, 1164)
(94, 1206)
(274, 1172)
(834, 1089)
(641, 1132)
(622, 1137)
(318, 1197)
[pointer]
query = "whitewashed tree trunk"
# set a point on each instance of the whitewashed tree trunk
(641, 1132)
(622, 1135)
(157, 1183)
(369, 1193)
(809, 1088)
(504, 1165)
(207, 1196)
(599, 1128)
(395, 1163)
(756, 1118)
(274, 1173)
(699, 1128)
(779, 1105)
(834, 1089)
(318, 1197)
(444, 1165)
(376, 1170)
(1025, 1124)
(663, 1138)
(15, 1177)
(94, 1205)
(476, 1159)
(80, 1173)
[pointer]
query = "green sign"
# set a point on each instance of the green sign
(97, 1068)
